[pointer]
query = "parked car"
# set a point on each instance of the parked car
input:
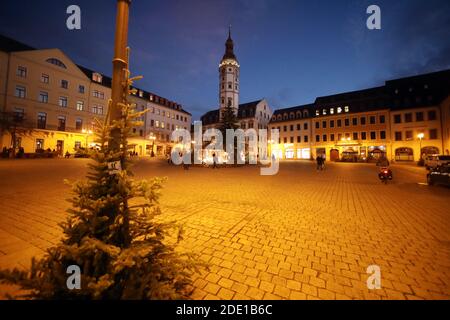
(81, 154)
(435, 161)
(439, 175)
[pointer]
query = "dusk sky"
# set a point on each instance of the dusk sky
(290, 52)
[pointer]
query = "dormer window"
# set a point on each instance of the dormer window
(339, 110)
(317, 113)
(56, 62)
(324, 112)
(331, 110)
(97, 77)
(346, 109)
(141, 93)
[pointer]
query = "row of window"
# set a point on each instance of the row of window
(45, 78)
(409, 135)
(21, 92)
(168, 114)
(419, 116)
(292, 139)
(42, 122)
(291, 127)
(355, 136)
(291, 116)
(62, 101)
(353, 121)
(332, 111)
(164, 125)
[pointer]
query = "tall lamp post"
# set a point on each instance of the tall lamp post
(87, 133)
(420, 136)
(120, 65)
(153, 138)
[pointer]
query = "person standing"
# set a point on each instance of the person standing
(215, 161)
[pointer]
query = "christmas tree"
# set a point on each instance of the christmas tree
(229, 121)
(112, 233)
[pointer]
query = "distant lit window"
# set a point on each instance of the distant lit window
(63, 102)
(21, 72)
(346, 109)
(80, 106)
(339, 110)
(79, 124)
(45, 78)
(43, 97)
(20, 92)
(97, 77)
(332, 111)
(64, 84)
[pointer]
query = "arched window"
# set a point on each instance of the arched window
(56, 62)
(305, 113)
(285, 116)
(299, 114)
(291, 116)
(279, 117)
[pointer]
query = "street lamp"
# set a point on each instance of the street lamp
(153, 138)
(420, 136)
(87, 133)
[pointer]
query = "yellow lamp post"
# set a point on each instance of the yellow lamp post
(152, 138)
(87, 133)
(420, 136)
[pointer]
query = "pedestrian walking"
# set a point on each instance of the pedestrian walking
(319, 161)
(215, 160)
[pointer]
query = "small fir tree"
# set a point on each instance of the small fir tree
(229, 121)
(113, 234)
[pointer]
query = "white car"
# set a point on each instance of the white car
(435, 161)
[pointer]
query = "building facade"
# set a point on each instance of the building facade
(403, 120)
(253, 115)
(57, 102)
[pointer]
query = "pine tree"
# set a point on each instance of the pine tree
(113, 234)
(229, 121)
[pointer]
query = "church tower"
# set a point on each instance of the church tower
(229, 77)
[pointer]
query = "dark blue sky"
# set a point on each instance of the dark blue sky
(290, 51)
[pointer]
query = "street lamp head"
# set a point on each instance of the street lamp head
(420, 136)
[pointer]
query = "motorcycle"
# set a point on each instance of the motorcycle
(385, 175)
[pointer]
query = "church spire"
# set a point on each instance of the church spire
(229, 47)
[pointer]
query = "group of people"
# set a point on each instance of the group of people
(320, 159)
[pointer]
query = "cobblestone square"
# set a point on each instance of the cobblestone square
(300, 234)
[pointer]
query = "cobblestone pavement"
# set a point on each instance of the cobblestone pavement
(301, 234)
